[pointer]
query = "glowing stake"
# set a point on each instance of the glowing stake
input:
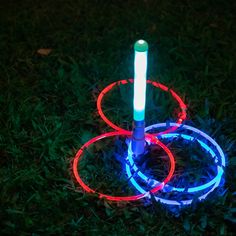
(140, 77)
(140, 70)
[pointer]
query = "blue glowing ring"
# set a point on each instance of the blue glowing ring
(215, 181)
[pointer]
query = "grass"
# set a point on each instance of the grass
(48, 107)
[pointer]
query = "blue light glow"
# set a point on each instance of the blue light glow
(215, 181)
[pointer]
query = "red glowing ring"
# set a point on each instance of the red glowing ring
(151, 138)
(182, 105)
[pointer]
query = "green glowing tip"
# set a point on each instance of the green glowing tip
(141, 46)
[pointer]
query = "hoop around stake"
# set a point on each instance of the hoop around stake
(149, 138)
(219, 160)
(182, 105)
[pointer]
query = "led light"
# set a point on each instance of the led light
(214, 182)
(140, 77)
(140, 138)
(175, 96)
(160, 186)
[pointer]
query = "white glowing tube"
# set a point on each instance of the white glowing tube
(140, 76)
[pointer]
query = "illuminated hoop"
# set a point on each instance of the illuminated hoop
(182, 105)
(149, 138)
(215, 181)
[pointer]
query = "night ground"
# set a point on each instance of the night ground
(56, 56)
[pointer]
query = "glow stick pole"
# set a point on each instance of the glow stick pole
(140, 77)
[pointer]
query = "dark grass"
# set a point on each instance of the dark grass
(48, 107)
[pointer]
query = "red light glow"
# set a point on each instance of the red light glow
(150, 138)
(181, 116)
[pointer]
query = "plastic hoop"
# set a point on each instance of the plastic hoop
(150, 138)
(181, 117)
(215, 181)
